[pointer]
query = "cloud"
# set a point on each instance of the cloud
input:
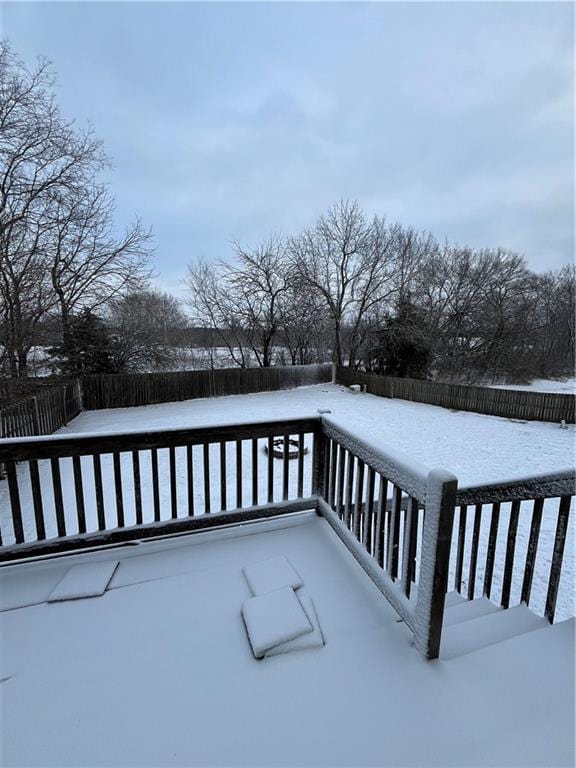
(230, 121)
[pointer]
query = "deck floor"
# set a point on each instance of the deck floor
(158, 671)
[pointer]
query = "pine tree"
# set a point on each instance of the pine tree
(87, 348)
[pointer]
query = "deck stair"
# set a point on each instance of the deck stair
(470, 625)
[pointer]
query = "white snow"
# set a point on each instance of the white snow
(558, 386)
(475, 447)
(273, 573)
(160, 673)
(81, 581)
(274, 618)
(307, 641)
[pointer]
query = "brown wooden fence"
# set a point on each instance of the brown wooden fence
(508, 403)
(131, 389)
(42, 413)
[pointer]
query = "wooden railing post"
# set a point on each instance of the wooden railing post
(434, 561)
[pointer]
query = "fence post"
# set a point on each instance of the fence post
(434, 561)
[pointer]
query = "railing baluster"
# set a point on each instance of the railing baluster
(137, 487)
(37, 499)
(10, 468)
(341, 463)
(118, 489)
(328, 447)
(223, 477)
(394, 532)
(97, 465)
(173, 483)
(333, 465)
(318, 464)
(557, 556)
(491, 550)
(409, 546)
(359, 497)
(206, 468)
(460, 549)
(78, 492)
(380, 515)
(58, 500)
(369, 512)
(286, 467)
(238, 474)
(510, 549)
(474, 551)
(300, 465)
(349, 489)
(415, 530)
(254, 472)
(270, 470)
(155, 484)
(532, 549)
(190, 479)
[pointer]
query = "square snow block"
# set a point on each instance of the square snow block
(88, 580)
(269, 575)
(313, 639)
(274, 618)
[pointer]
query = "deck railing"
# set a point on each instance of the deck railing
(498, 508)
(358, 480)
(395, 516)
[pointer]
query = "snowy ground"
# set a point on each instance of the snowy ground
(559, 386)
(476, 448)
(158, 671)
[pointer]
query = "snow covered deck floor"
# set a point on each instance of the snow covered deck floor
(158, 671)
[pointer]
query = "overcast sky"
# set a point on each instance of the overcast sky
(236, 120)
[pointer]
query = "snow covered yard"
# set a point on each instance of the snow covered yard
(476, 448)
(158, 670)
(559, 386)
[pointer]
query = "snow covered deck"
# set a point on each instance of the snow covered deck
(158, 670)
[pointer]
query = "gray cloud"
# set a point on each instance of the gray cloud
(234, 120)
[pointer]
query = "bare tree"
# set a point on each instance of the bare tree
(242, 300)
(89, 265)
(212, 308)
(147, 327)
(40, 154)
(56, 243)
(305, 323)
(349, 262)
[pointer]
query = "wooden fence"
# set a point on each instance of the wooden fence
(42, 413)
(508, 403)
(132, 389)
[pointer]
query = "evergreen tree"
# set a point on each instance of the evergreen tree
(403, 348)
(87, 348)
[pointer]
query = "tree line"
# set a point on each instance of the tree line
(389, 299)
(359, 290)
